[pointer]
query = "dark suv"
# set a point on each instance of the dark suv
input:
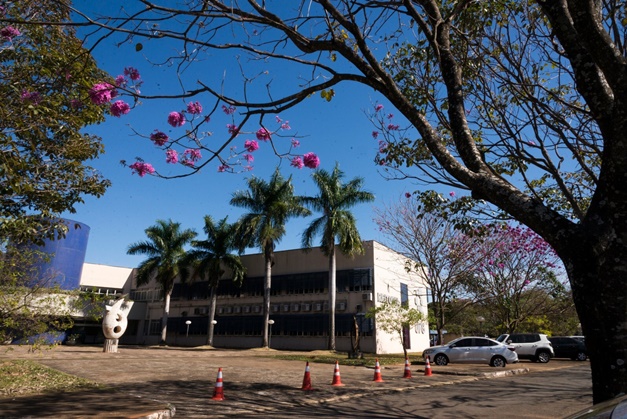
(533, 346)
(569, 347)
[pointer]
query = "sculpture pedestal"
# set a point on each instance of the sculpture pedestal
(111, 345)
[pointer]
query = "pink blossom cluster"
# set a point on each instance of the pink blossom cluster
(119, 108)
(194, 108)
(263, 134)
(251, 145)
(102, 93)
(176, 119)
(309, 160)
(32, 97)
(191, 156)
(142, 169)
(171, 156)
(8, 33)
(159, 138)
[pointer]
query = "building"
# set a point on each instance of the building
(299, 302)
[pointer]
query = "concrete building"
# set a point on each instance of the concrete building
(299, 302)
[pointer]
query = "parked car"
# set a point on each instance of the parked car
(533, 346)
(569, 347)
(473, 350)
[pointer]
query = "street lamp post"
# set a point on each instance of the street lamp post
(270, 322)
(481, 319)
(188, 322)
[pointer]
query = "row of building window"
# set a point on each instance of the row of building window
(284, 325)
(350, 280)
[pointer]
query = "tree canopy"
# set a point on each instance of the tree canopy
(46, 77)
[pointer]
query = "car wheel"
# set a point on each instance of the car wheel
(543, 357)
(498, 361)
(440, 359)
(581, 356)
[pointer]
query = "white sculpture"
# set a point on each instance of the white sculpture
(114, 323)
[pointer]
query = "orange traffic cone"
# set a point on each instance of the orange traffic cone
(377, 372)
(428, 368)
(407, 369)
(307, 379)
(218, 391)
(337, 381)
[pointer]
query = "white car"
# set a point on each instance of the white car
(472, 350)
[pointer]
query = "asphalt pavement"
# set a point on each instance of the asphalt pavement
(163, 382)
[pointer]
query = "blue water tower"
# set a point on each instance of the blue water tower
(67, 256)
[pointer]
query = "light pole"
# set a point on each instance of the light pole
(188, 322)
(270, 322)
(480, 319)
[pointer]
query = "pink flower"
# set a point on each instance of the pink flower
(393, 127)
(176, 119)
(133, 73)
(223, 168)
(120, 81)
(407, 195)
(159, 138)
(249, 158)
(297, 162)
(452, 194)
(251, 146)
(119, 108)
(233, 129)
(286, 126)
(194, 108)
(382, 146)
(102, 93)
(33, 97)
(311, 160)
(192, 154)
(142, 168)
(378, 107)
(295, 143)
(171, 156)
(9, 33)
(375, 134)
(263, 134)
(228, 111)
(390, 116)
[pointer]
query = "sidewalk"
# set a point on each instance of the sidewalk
(164, 382)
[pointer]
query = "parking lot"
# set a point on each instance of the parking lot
(146, 378)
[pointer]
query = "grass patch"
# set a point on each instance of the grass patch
(367, 361)
(23, 377)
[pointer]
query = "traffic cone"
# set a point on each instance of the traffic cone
(218, 391)
(377, 372)
(428, 368)
(407, 369)
(307, 379)
(337, 381)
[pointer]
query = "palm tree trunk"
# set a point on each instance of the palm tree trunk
(212, 313)
(164, 319)
(332, 298)
(266, 300)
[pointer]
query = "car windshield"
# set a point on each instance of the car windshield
(501, 338)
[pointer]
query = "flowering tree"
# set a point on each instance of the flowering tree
(517, 276)
(443, 254)
(520, 103)
(46, 76)
(394, 318)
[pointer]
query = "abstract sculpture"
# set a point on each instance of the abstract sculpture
(114, 323)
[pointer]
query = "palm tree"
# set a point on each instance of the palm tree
(271, 204)
(210, 258)
(165, 251)
(333, 201)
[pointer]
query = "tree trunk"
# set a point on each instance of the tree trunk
(332, 298)
(266, 298)
(164, 319)
(213, 291)
(600, 292)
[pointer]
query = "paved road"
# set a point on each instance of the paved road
(254, 384)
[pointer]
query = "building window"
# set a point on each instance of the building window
(155, 327)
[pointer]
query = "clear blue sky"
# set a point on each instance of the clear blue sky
(337, 131)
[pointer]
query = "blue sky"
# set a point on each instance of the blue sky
(337, 131)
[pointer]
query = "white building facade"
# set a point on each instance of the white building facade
(298, 303)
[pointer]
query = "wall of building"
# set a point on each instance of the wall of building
(300, 314)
